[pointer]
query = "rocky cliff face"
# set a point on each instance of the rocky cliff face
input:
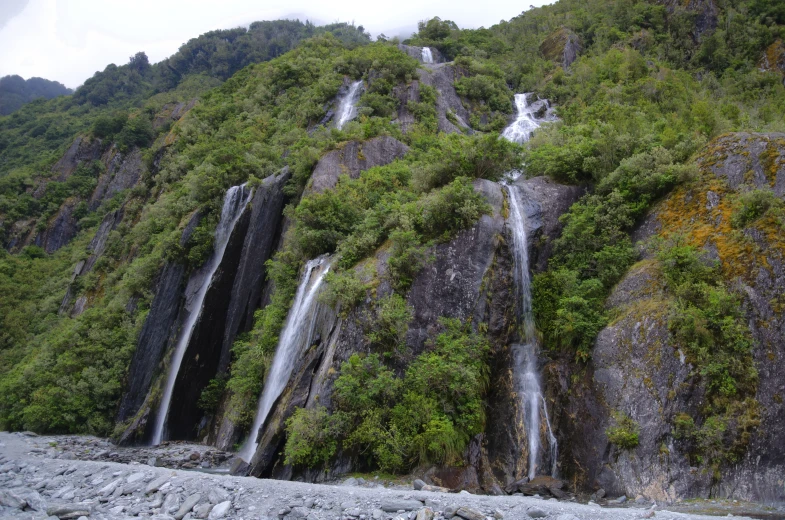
(469, 278)
(234, 294)
(636, 368)
(353, 158)
(416, 52)
(562, 46)
(441, 77)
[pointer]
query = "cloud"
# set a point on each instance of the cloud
(68, 41)
(11, 8)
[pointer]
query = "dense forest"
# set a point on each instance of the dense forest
(642, 90)
(15, 91)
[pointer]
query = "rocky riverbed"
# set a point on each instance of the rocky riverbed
(83, 477)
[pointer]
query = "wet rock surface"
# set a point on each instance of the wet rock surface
(35, 485)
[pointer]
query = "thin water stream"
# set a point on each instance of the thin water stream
(296, 334)
(526, 354)
(347, 108)
(235, 201)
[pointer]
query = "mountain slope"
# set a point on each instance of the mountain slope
(15, 92)
(653, 232)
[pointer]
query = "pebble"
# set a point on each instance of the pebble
(536, 512)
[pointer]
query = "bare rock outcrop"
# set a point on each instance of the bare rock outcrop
(82, 150)
(353, 158)
(637, 368)
(562, 46)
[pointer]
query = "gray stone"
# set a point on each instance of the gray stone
(109, 488)
(220, 510)
(353, 158)
(418, 484)
(156, 484)
(536, 512)
(9, 499)
(188, 504)
(171, 503)
(450, 511)
(377, 514)
(217, 494)
(202, 510)
(622, 499)
(426, 513)
(135, 477)
(69, 510)
(353, 512)
(393, 505)
(469, 513)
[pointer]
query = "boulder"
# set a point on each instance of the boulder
(220, 510)
(469, 513)
(392, 505)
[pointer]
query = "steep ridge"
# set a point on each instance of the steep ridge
(639, 367)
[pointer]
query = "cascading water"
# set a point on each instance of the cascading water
(296, 334)
(347, 108)
(527, 378)
(521, 129)
(427, 55)
(236, 199)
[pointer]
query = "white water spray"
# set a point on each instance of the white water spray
(524, 125)
(427, 55)
(296, 334)
(236, 199)
(527, 378)
(347, 108)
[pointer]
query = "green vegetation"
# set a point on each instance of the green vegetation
(624, 434)
(754, 205)
(395, 423)
(15, 92)
(707, 322)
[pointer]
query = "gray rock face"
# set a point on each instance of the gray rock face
(158, 331)
(637, 369)
(416, 53)
(441, 77)
(354, 158)
(469, 278)
(122, 172)
(562, 46)
(82, 150)
(263, 230)
(234, 294)
(60, 229)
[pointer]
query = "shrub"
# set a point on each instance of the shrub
(388, 323)
(624, 433)
(753, 205)
(310, 439)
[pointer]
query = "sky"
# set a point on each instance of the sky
(69, 40)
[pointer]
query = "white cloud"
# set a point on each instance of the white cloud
(68, 40)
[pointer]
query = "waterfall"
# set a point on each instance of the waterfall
(525, 355)
(346, 108)
(234, 203)
(427, 55)
(524, 125)
(296, 334)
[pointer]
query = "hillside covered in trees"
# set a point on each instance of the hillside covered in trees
(15, 91)
(375, 174)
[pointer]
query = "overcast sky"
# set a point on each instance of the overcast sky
(69, 40)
